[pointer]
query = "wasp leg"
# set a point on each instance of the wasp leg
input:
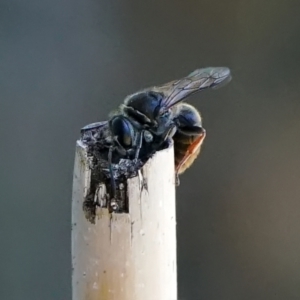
(112, 179)
(139, 145)
(142, 181)
(166, 139)
(169, 133)
(119, 147)
(177, 180)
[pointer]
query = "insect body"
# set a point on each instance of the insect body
(151, 117)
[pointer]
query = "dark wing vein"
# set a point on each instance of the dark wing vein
(177, 90)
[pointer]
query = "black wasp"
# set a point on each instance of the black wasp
(150, 117)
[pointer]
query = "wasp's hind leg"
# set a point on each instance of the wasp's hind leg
(177, 180)
(112, 179)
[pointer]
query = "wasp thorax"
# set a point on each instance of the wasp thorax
(144, 107)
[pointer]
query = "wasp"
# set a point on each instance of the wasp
(148, 119)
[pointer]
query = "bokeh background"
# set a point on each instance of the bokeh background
(66, 63)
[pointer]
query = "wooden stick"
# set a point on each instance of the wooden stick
(126, 256)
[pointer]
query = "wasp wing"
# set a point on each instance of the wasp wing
(92, 126)
(177, 90)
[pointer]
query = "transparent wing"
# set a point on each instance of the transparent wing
(177, 90)
(92, 126)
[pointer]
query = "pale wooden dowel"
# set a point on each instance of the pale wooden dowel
(127, 256)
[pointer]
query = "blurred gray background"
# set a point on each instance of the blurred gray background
(65, 63)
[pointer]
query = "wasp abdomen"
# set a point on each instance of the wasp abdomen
(187, 148)
(189, 136)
